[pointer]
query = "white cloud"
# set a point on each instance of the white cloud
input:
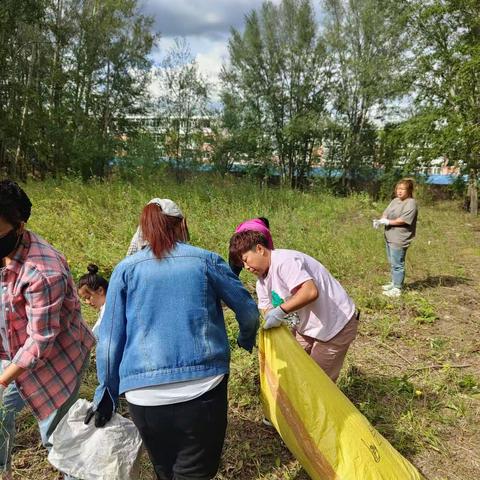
(210, 63)
(198, 17)
(205, 24)
(209, 54)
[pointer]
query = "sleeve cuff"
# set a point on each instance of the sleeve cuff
(25, 359)
(263, 306)
(99, 393)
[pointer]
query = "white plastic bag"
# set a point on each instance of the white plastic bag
(90, 453)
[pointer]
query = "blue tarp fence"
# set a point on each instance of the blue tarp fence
(318, 172)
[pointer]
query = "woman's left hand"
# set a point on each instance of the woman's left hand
(103, 413)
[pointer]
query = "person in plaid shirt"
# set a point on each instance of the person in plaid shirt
(44, 342)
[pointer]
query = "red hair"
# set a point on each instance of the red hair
(161, 231)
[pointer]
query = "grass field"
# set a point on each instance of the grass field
(414, 370)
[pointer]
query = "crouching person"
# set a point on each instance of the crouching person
(163, 343)
(45, 344)
(328, 320)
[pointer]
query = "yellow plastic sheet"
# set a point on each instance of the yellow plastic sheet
(329, 437)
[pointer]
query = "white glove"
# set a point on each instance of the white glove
(274, 318)
(384, 221)
(375, 223)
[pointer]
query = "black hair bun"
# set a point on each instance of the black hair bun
(92, 268)
(265, 221)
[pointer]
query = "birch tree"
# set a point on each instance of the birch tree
(367, 45)
(448, 82)
(274, 87)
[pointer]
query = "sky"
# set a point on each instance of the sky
(204, 23)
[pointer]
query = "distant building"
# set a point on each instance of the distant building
(160, 128)
(158, 125)
(440, 166)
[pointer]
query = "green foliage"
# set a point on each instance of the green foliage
(367, 50)
(70, 73)
(419, 410)
(458, 188)
(469, 384)
(424, 311)
(378, 398)
(140, 156)
(183, 104)
(447, 60)
(385, 326)
(273, 88)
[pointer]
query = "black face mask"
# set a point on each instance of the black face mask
(8, 242)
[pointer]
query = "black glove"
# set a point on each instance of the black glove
(235, 268)
(103, 413)
(246, 346)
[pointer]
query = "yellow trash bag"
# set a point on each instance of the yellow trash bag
(320, 426)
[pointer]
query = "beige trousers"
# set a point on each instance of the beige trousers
(330, 355)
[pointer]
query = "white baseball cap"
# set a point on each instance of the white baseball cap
(169, 207)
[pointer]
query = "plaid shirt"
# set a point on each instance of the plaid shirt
(136, 243)
(44, 327)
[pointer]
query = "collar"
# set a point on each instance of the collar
(269, 271)
(20, 256)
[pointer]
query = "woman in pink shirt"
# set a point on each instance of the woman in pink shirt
(328, 319)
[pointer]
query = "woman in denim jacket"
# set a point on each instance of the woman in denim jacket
(163, 343)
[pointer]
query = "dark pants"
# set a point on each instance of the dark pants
(185, 440)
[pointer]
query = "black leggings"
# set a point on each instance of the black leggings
(185, 440)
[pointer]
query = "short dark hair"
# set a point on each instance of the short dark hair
(242, 242)
(92, 279)
(15, 206)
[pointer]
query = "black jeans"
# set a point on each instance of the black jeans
(185, 440)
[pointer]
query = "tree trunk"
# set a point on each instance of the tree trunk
(21, 131)
(55, 87)
(473, 190)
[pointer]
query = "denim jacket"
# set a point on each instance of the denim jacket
(163, 320)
